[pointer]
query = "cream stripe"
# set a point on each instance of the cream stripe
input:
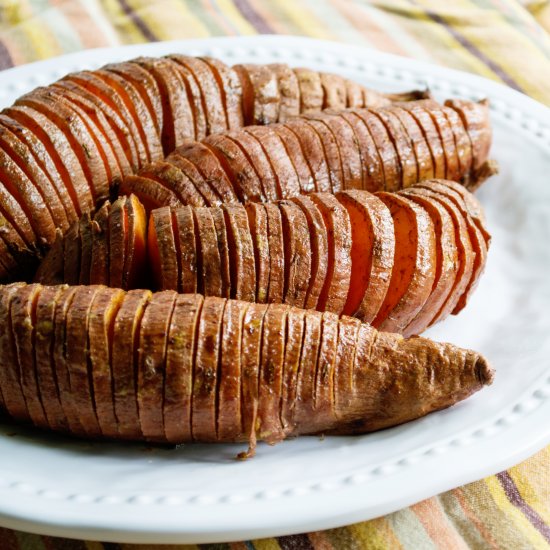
(227, 7)
(103, 24)
(409, 530)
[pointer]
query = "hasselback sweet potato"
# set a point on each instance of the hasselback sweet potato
(224, 370)
(389, 148)
(400, 261)
(62, 146)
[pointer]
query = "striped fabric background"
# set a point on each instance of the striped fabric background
(506, 40)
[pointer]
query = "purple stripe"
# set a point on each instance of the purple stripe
(516, 499)
(253, 17)
(5, 58)
(475, 51)
(295, 542)
(138, 21)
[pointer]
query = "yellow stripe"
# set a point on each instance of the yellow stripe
(41, 39)
(374, 535)
(266, 544)
(514, 514)
(305, 20)
(123, 25)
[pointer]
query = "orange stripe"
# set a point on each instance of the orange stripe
(437, 525)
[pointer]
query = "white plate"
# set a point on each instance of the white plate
(126, 493)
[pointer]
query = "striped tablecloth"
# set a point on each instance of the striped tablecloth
(506, 40)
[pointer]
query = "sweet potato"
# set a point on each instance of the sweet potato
(289, 91)
(258, 223)
(414, 263)
(297, 372)
(99, 265)
(276, 245)
(151, 363)
(161, 245)
(210, 274)
(311, 90)
(186, 242)
(372, 253)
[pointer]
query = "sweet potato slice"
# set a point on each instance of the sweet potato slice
(275, 238)
(452, 168)
(372, 169)
(44, 358)
(151, 193)
(297, 253)
(311, 90)
(106, 95)
(126, 333)
(414, 263)
(180, 357)
(72, 255)
(63, 306)
(431, 135)
(289, 91)
(216, 120)
(385, 148)
(22, 326)
(372, 253)
(205, 374)
(257, 221)
(10, 383)
(178, 115)
(265, 92)
(404, 154)
(119, 237)
(37, 149)
(288, 184)
(464, 250)
(462, 141)
(447, 260)
(475, 117)
(270, 380)
(80, 389)
(147, 87)
(337, 222)
(112, 128)
(25, 205)
(257, 157)
(151, 365)
(222, 243)
(295, 153)
(134, 272)
(228, 400)
(209, 167)
(313, 153)
(303, 400)
(169, 174)
(323, 396)
(354, 94)
(231, 91)
(236, 165)
(422, 154)
(25, 161)
(102, 318)
(208, 249)
(330, 148)
(351, 353)
(186, 239)
(476, 238)
(243, 270)
(334, 91)
(352, 162)
(51, 270)
(161, 246)
(86, 246)
(248, 94)
(291, 364)
(319, 249)
(91, 156)
(99, 266)
(60, 149)
(149, 139)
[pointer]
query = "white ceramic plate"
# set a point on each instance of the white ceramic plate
(199, 493)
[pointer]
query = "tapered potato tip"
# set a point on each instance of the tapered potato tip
(485, 373)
